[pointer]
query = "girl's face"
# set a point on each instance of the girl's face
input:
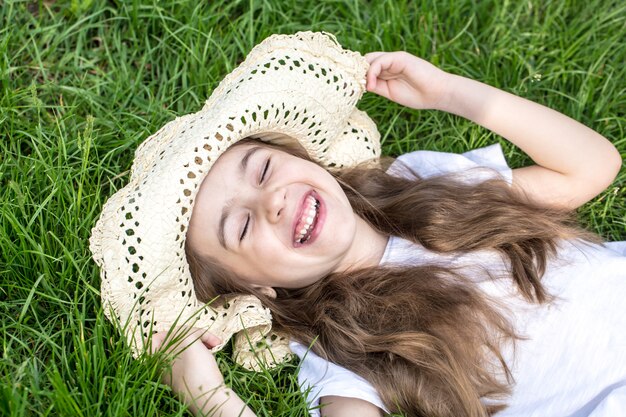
(272, 218)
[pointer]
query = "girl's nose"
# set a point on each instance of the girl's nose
(273, 203)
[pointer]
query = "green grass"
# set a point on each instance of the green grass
(82, 83)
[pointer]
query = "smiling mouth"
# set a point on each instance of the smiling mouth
(308, 220)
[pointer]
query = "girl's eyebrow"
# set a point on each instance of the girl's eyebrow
(220, 229)
(243, 166)
(244, 161)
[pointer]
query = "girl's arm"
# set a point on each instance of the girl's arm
(197, 380)
(334, 406)
(574, 163)
(195, 377)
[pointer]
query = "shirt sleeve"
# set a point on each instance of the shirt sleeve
(473, 166)
(318, 378)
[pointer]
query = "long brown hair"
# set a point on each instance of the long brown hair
(424, 336)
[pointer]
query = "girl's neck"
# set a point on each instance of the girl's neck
(367, 247)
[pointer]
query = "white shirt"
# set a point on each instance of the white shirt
(573, 362)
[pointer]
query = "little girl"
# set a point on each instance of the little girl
(450, 285)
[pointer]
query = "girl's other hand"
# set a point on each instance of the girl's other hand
(407, 80)
(194, 375)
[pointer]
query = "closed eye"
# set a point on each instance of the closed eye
(245, 228)
(265, 168)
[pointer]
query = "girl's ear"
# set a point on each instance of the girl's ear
(268, 291)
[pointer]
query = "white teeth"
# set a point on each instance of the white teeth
(307, 224)
(308, 217)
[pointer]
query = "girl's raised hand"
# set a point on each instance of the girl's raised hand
(407, 80)
(573, 163)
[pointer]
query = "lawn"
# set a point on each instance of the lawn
(82, 83)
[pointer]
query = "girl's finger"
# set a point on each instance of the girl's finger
(381, 63)
(372, 74)
(370, 56)
(210, 340)
(157, 341)
(374, 70)
(370, 84)
(206, 337)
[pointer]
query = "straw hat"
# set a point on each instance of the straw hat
(300, 87)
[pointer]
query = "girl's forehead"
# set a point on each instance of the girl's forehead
(233, 156)
(230, 170)
(241, 150)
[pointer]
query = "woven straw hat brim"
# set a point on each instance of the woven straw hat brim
(301, 87)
